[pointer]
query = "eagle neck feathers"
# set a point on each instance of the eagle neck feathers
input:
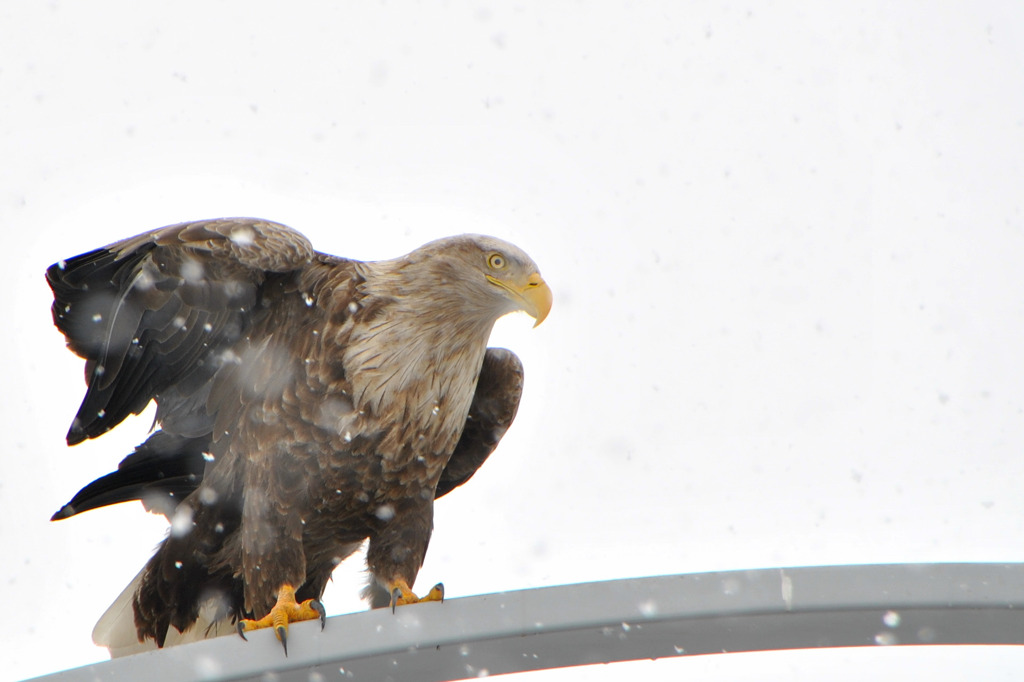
(412, 358)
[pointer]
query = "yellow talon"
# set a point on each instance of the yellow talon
(401, 594)
(285, 611)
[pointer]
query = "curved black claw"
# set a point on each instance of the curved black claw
(322, 611)
(439, 590)
(396, 594)
(241, 630)
(282, 634)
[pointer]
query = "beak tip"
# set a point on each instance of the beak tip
(540, 297)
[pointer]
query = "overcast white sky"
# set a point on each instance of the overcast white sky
(785, 240)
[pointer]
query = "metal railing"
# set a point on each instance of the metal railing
(620, 620)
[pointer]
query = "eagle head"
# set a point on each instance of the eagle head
(485, 276)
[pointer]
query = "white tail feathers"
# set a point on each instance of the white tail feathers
(115, 629)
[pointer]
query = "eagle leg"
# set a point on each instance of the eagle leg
(401, 594)
(285, 611)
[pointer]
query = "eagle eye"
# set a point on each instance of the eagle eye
(496, 261)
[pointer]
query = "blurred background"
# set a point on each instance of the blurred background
(785, 241)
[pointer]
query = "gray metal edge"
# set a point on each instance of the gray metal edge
(620, 620)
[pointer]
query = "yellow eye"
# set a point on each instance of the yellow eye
(496, 261)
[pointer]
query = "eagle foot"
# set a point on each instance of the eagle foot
(401, 594)
(285, 611)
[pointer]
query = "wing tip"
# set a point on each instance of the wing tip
(82, 431)
(76, 434)
(65, 512)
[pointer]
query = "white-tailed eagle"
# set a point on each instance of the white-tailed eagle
(305, 403)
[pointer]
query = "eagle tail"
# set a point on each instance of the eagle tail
(116, 630)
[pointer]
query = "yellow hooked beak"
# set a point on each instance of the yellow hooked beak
(535, 295)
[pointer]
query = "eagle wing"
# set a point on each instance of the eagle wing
(151, 314)
(494, 407)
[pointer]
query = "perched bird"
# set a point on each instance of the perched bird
(305, 403)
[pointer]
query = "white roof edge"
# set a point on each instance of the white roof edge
(619, 620)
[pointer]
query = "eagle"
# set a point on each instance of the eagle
(305, 403)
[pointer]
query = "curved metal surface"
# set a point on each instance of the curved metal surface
(620, 620)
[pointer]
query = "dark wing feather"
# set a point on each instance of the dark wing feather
(151, 314)
(161, 472)
(493, 408)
